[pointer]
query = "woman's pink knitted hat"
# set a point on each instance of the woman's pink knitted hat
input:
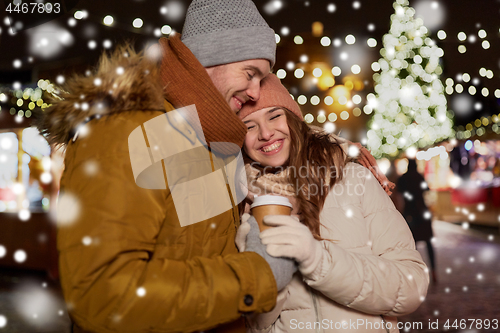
(272, 93)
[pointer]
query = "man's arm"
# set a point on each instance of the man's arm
(363, 157)
(114, 271)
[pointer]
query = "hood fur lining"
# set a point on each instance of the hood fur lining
(123, 81)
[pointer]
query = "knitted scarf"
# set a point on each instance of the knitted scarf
(186, 82)
(269, 183)
(277, 183)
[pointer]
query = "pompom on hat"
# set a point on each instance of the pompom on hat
(272, 93)
(224, 31)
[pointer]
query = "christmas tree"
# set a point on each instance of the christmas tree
(410, 107)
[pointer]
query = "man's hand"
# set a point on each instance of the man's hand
(283, 268)
(366, 159)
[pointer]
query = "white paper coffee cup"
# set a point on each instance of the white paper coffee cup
(269, 205)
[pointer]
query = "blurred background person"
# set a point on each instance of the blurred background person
(412, 186)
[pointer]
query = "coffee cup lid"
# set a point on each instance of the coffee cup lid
(270, 200)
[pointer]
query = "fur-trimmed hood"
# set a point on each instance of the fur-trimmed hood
(123, 81)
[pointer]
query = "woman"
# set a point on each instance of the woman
(356, 256)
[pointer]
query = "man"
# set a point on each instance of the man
(126, 263)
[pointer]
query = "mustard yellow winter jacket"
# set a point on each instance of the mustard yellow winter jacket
(126, 264)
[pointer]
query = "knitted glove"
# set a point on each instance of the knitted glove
(283, 268)
(241, 234)
(291, 238)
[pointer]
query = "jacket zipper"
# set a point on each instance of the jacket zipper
(316, 310)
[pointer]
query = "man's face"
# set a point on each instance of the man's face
(239, 82)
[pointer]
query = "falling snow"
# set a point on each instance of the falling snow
(458, 263)
(68, 209)
(141, 292)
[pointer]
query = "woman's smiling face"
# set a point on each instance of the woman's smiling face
(268, 137)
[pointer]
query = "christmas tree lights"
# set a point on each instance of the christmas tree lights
(410, 108)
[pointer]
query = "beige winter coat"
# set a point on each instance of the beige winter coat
(368, 275)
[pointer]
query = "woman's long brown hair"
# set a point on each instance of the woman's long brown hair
(316, 163)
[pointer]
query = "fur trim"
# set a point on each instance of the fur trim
(124, 81)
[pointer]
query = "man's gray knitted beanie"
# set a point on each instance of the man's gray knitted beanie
(224, 31)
